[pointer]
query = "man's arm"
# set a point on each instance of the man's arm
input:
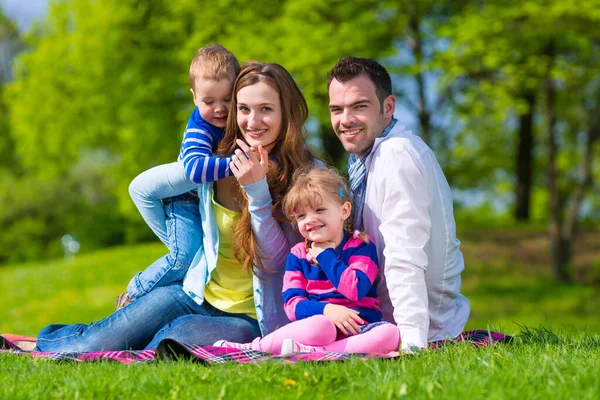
(405, 227)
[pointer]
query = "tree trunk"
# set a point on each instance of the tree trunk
(569, 229)
(417, 49)
(561, 252)
(525, 160)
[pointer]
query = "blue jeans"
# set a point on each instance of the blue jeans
(135, 326)
(184, 232)
(148, 188)
(208, 326)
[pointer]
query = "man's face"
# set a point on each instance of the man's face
(356, 114)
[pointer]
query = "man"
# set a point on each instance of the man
(403, 201)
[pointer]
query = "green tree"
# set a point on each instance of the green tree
(10, 45)
(512, 67)
(104, 88)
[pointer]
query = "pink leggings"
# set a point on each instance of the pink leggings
(320, 332)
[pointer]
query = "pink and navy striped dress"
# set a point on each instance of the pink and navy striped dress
(345, 276)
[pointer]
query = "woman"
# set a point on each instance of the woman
(233, 289)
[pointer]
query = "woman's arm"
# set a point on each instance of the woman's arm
(250, 169)
(272, 244)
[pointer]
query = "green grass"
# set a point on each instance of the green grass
(507, 280)
(536, 366)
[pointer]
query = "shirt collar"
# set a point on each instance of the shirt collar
(385, 132)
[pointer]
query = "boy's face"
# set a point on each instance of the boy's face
(213, 97)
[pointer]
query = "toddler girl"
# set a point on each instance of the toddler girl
(329, 287)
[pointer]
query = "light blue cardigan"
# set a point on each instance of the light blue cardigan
(274, 241)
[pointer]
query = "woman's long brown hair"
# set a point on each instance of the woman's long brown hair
(288, 153)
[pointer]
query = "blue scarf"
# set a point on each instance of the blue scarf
(357, 172)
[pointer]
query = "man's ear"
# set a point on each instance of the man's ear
(389, 105)
(346, 210)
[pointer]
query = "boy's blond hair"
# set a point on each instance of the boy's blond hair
(213, 62)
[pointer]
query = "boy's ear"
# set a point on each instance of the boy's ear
(346, 210)
(193, 96)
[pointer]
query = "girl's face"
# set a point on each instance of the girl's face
(325, 222)
(259, 114)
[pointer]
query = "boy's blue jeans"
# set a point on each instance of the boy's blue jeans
(161, 182)
(164, 313)
(184, 234)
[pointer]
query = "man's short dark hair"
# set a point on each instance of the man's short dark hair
(349, 68)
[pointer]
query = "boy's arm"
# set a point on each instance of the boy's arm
(356, 279)
(197, 153)
(295, 297)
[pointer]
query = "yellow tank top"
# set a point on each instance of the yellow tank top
(230, 287)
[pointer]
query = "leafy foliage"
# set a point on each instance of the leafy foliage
(101, 94)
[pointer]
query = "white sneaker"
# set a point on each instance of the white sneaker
(289, 346)
(233, 345)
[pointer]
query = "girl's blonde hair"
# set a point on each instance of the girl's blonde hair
(309, 188)
(288, 154)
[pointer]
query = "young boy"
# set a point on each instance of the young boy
(165, 194)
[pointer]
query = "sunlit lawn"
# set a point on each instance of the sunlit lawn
(507, 281)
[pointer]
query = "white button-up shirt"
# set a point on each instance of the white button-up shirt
(408, 211)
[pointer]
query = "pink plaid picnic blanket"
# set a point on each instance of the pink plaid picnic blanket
(219, 355)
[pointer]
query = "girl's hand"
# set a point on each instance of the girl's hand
(249, 168)
(344, 318)
(317, 248)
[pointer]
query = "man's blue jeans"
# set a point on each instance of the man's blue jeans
(167, 311)
(184, 234)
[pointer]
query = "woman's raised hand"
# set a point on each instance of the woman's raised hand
(249, 165)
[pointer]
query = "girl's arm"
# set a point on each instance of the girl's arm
(295, 297)
(355, 279)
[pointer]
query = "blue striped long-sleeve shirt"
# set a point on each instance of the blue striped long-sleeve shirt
(199, 141)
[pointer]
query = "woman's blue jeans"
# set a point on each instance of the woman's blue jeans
(164, 313)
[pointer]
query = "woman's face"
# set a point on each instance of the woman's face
(259, 114)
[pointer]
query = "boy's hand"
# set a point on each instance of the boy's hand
(123, 300)
(317, 248)
(249, 165)
(344, 318)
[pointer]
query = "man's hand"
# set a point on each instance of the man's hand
(344, 318)
(317, 248)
